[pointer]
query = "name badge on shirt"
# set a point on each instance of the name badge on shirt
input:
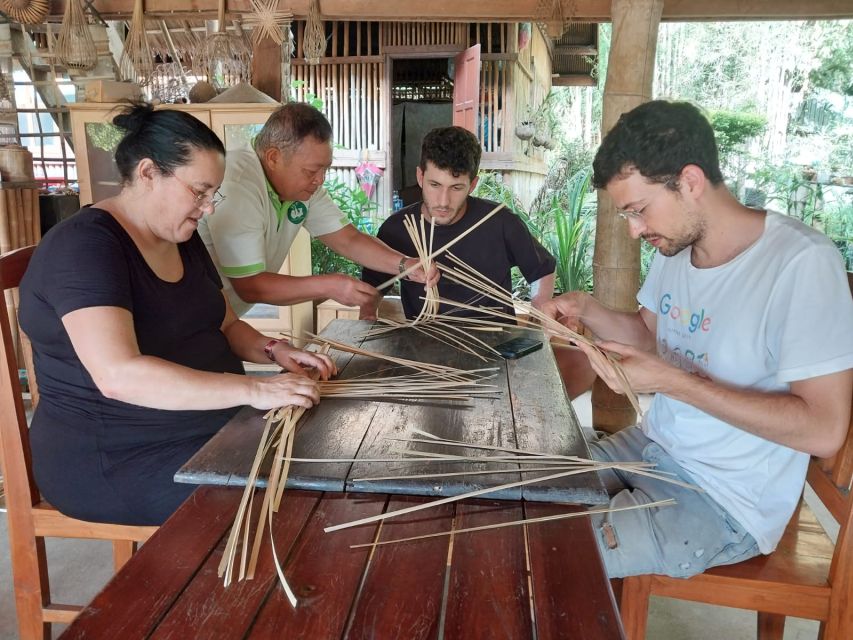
(296, 212)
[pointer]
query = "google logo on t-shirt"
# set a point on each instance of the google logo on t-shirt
(692, 320)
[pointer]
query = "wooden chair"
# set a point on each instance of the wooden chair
(805, 577)
(30, 518)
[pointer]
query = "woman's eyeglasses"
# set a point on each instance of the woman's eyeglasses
(202, 200)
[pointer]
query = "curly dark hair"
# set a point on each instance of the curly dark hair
(452, 149)
(658, 139)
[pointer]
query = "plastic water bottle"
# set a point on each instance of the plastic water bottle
(397, 201)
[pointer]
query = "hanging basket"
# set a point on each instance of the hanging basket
(524, 130)
(74, 45)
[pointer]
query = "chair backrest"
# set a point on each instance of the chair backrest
(831, 478)
(20, 487)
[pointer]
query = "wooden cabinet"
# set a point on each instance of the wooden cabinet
(95, 140)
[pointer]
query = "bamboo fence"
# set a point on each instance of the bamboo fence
(20, 226)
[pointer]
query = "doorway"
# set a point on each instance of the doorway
(422, 99)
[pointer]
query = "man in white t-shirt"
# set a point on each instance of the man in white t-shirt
(271, 192)
(744, 336)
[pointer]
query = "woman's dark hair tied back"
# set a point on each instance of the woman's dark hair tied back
(133, 118)
(166, 136)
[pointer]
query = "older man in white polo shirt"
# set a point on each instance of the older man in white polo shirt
(272, 191)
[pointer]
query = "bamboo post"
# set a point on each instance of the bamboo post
(14, 221)
(34, 195)
(5, 226)
(27, 208)
(616, 261)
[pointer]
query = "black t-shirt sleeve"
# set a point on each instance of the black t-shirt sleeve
(393, 233)
(371, 277)
(88, 268)
(525, 251)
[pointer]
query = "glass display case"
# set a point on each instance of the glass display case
(95, 141)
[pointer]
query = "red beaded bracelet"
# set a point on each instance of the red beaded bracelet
(269, 346)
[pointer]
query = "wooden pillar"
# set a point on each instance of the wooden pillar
(266, 67)
(616, 261)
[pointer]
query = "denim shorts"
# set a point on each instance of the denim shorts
(679, 540)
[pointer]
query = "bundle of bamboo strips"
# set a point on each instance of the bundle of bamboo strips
(468, 276)
(451, 373)
(452, 330)
(475, 280)
(430, 382)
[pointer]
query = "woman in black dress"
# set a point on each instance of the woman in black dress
(137, 352)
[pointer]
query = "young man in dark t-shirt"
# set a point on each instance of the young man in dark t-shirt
(447, 174)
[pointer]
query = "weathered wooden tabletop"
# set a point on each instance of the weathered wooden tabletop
(543, 581)
(530, 411)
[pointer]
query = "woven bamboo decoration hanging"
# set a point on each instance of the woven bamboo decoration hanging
(137, 60)
(223, 58)
(74, 45)
(314, 45)
(26, 11)
(267, 21)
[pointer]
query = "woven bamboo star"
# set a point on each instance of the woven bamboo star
(267, 21)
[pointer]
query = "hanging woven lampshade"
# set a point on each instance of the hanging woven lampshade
(26, 11)
(137, 61)
(314, 45)
(74, 45)
(223, 58)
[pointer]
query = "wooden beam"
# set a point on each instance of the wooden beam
(575, 50)
(487, 10)
(573, 80)
(266, 67)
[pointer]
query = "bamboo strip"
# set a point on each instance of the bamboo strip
(628, 467)
(438, 252)
(493, 104)
(269, 504)
(420, 366)
(560, 516)
(450, 474)
(464, 496)
(487, 447)
(226, 564)
(347, 104)
(434, 457)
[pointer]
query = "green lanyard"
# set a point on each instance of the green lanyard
(296, 211)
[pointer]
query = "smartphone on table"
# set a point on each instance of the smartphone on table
(517, 347)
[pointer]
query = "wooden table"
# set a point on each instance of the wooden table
(530, 411)
(544, 580)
